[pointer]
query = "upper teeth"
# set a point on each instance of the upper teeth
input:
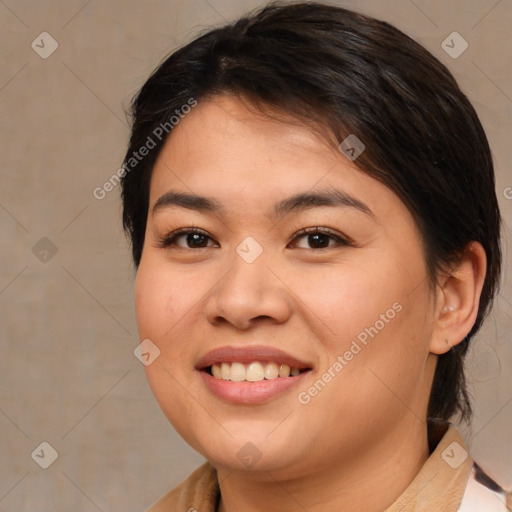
(252, 372)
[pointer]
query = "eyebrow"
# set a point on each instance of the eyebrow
(327, 197)
(297, 202)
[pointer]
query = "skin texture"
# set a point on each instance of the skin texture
(310, 302)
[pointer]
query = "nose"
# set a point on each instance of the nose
(247, 295)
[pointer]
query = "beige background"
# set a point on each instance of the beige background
(68, 375)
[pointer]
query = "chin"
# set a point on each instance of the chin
(249, 453)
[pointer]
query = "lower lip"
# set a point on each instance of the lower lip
(250, 392)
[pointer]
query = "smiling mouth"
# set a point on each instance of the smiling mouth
(255, 371)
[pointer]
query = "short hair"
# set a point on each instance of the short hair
(345, 73)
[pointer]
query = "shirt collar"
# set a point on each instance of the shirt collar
(441, 482)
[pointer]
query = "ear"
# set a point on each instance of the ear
(458, 297)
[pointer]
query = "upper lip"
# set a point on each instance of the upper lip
(248, 354)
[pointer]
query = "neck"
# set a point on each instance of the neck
(386, 468)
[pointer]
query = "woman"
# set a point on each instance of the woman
(316, 243)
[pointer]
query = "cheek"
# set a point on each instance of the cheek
(157, 311)
(151, 303)
(161, 299)
(349, 298)
(167, 312)
(377, 318)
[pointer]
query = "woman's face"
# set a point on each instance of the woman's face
(347, 302)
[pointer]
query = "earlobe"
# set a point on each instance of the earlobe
(458, 299)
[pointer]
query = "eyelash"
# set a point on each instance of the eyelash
(340, 240)
(168, 240)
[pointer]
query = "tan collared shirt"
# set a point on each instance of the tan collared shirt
(448, 482)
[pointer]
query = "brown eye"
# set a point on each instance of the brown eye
(187, 239)
(317, 238)
(194, 240)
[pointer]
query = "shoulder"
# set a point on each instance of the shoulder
(483, 493)
(200, 491)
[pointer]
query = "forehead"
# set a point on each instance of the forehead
(224, 145)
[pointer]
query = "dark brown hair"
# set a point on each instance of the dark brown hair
(350, 74)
